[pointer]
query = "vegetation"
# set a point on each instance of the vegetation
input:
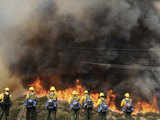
(18, 112)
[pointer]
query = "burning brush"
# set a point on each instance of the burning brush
(63, 95)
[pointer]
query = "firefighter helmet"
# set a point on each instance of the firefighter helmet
(7, 89)
(74, 92)
(86, 92)
(101, 94)
(127, 95)
(52, 88)
(31, 89)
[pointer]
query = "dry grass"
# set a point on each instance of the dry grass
(18, 112)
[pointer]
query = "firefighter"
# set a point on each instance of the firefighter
(127, 107)
(5, 99)
(1, 95)
(102, 107)
(87, 104)
(74, 102)
(52, 103)
(30, 103)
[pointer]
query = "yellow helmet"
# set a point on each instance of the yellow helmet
(6, 89)
(74, 92)
(101, 94)
(52, 88)
(31, 89)
(86, 92)
(127, 95)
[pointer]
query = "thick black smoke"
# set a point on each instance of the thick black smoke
(108, 44)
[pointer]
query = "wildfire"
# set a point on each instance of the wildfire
(63, 95)
(144, 107)
(40, 91)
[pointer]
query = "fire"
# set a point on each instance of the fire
(40, 91)
(63, 95)
(144, 107)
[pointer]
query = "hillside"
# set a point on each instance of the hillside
(18, 112)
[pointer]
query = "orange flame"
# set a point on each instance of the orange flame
(63, 95)
(144, 107)
(40, 91)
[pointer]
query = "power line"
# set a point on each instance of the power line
(152, 49)
(136, 67)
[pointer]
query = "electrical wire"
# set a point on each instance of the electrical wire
(119, 52)
(151, 49)
(136, 66)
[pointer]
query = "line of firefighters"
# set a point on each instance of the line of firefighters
(74, 101)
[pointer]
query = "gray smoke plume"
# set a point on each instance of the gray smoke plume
(108, 44)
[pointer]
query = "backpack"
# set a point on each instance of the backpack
(128, 107)
(88, 104)
(103, 108)
(51, 104)
(52, 96)
(7, 101)
(30, 103)
(75, 105)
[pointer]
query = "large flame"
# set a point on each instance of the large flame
(40, 91)
(144, 107)
(63, 95)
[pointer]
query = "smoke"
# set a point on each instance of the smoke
(108, 44)
(15, 18)
(156, 4)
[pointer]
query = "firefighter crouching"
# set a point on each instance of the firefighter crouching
(74, 102)
(30, 104)
(102, 107)
(127, 107)
(52, 103)
(87, 105)
(5, 99)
